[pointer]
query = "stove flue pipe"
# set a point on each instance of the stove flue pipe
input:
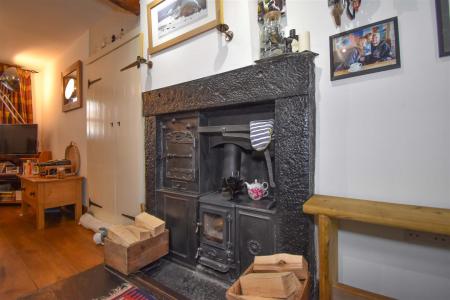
(231, 160)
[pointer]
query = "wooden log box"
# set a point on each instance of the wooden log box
(235, 291)
(136, 256)
(271, 285)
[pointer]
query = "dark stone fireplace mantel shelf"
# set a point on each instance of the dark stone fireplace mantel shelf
(280, 77)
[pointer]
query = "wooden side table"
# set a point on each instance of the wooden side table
(331, 209)
(42, 193)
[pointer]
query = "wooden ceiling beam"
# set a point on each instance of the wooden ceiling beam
(132, 6)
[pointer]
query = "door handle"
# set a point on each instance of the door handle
(197, 227)
(197, 254)
(118, 123)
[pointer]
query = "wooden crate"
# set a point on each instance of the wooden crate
(136, 256)
(235, 292)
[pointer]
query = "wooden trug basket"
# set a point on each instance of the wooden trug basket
(235, 291)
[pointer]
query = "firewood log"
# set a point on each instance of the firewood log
(152, 223)
(282, 262)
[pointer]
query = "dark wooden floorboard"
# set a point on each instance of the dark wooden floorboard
(14, 278)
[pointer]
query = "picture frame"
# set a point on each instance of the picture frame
(72, 93)
(171, 22)
(443, 26)
(368, 49)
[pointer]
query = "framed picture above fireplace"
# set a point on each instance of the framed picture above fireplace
(173, 21)
(368, 49)
(443, 26)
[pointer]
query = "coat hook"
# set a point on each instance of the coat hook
(139, 60)
(148, 62)
(224, 28)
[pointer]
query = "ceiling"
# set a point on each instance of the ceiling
(33, 32)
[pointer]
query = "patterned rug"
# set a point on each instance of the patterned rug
(128, 291)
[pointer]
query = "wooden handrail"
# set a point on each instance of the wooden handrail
(420, 218)
(330, 210)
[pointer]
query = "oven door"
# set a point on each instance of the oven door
(216, 226)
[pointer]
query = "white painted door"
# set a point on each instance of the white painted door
(101, 178)
(115, 135)
(129, 129)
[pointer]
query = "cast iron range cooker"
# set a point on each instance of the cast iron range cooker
(224, 213)
(185, 166)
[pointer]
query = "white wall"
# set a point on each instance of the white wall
(384, 136)
(109, 25)
(203, 55)
(60, 128)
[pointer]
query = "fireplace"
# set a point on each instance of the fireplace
(198, 154)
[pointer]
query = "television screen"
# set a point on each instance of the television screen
(18, 139)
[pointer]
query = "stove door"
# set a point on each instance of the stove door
(179, 152)
(179, 211)
(216, 226)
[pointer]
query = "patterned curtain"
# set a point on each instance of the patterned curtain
(21, 99)
(26, 101)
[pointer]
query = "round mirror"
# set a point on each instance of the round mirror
(70, 88)
(71, 91)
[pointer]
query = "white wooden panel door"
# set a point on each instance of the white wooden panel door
(101, 139)
(115, 134)
(129, 133)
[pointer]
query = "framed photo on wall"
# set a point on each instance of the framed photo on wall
(443, 26)
(173, 21)
(363, 50)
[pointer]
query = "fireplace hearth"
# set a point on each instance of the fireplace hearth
(198, 155)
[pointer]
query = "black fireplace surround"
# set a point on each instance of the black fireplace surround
(186, 164)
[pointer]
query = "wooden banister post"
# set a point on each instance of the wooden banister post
(328, 256)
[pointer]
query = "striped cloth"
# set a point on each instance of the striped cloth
(261, 134)
(127, 291)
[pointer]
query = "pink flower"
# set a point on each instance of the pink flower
(256, 193)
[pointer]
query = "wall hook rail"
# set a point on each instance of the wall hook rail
(224, 28)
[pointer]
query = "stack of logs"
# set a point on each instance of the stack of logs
(129, 248)
(278, 276)
(145, 226)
